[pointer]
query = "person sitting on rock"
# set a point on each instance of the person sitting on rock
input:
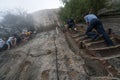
(94, 23)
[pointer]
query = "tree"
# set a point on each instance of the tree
(96, 5)
(76, 8)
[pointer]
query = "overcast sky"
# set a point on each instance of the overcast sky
(29, 5)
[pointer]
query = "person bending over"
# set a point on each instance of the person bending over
(94, 23)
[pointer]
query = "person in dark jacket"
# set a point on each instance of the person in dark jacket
(71, 24)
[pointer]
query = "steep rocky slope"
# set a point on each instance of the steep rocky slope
(45, 17)
(36, 60)
(112, 22)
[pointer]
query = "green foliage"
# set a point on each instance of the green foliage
(96, 4)
(76, 8)
(116, 6)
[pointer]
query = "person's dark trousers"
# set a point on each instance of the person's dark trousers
(5, 47)
(71, 25)
(92, 35)
(96, 24)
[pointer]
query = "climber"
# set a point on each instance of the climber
(94, 23)
(2, 42)
(17, 39)
(6, 45)
(11, 42)
(71, 24)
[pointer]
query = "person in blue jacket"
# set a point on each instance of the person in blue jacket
(94, 23)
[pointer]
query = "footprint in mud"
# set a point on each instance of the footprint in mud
(28, 62)
(73, 74)
(25, 64)
(24, 70)
(45, 75)
(18, 53)
(49, 52)
(43, 53)
(16, 56)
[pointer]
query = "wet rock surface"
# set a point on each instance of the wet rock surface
(36, 60)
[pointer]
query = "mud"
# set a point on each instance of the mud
(36, 60)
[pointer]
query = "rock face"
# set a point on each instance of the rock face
(114, 1)
(49, 57)
(36, 60)
(112, 23)
(112, 20)
(45, 17)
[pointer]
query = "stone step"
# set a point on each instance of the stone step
(104, 78)
(78, 35)
(108, 58)
(81, 38)
(100, 44)
(99, 47)
(107, 51)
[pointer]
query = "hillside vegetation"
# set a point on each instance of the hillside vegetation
(76, 9)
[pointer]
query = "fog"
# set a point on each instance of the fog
(29, 5)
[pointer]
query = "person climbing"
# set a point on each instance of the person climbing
(94, 23)
(27, 35)
(6, 45)
(71, 24)
(2, 42)
(17, 39)
(11, 42)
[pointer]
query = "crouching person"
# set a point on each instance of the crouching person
(2, 42)
(94, 23)
(11, 42)
(71, 24)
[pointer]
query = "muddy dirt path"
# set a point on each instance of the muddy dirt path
(36, 60)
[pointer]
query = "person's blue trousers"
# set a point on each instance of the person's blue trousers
(98, 26)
